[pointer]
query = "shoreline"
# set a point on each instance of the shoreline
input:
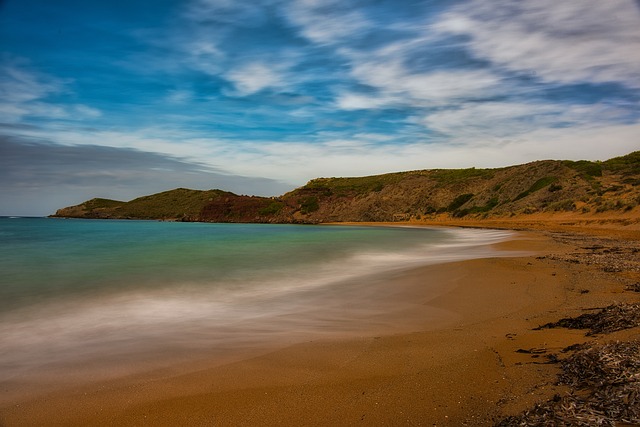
(464, 370)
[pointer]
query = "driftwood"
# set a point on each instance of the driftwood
(605, 391)
(610, 319)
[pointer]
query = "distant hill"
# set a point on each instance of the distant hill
(550, 186)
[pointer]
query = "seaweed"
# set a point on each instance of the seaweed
(613, 318)
(616, 363)
(633, 287)
(605, 383)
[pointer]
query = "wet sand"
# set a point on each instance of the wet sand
(458, 364)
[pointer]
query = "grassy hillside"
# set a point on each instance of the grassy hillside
(549, 186)
(178, 204)
(543, 186)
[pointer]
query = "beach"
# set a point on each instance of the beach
(471, 359)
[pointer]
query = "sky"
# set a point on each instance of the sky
(119, 99)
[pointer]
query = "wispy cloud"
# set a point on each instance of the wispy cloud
(225, 40)
(326, 22)
(300, 161)
(227, 11)
(473, 124)
(86, 111)
(428, 88)
(358, 101)
(179, 96)
(495, 119)
(26, 93)
(22, 91)
(565, 42)
(19, 85)
(254, 77)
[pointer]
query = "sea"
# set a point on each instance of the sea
(105, 297)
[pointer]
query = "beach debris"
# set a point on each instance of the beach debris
(615, 317)
(633, 288)
(611, 364)
(577, 347)
(532, 351)
(605, 390)
(609, 255)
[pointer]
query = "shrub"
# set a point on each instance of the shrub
(377, 187)
(538, 185)
(447, 176)
(308, 205)
(492, 203)
(430, 210)
(586, 168)
(460, 213)
(272, 209)
(459, 201)
(563, 205)
(630, 162)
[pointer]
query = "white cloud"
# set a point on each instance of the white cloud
(357, 101)
(512, 119)
(22, 91)
(203, 54)
(299, 162)
(334, 154)
(395, 80)
(254, 77)
(19, 85)
(444, 86)
(559, 41)
(12, 112)
(500, 119)
(390, 71)
(375, 137)
(208, 42)
(86, 111)
(326, 22)
(179, 96)
(227, 11)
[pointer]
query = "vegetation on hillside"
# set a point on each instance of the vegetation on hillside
(102, 203)
(544, 186)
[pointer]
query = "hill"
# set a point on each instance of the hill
(548, 186)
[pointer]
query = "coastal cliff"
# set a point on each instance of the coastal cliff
(542, 187)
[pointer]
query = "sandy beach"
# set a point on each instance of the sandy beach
(478, 360)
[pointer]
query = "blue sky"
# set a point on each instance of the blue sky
(124, 98)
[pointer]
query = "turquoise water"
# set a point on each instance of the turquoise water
(43, 259)
(80, 290)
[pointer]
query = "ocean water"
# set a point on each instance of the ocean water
(80, 294)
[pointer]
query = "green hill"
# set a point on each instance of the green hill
(549, 186)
